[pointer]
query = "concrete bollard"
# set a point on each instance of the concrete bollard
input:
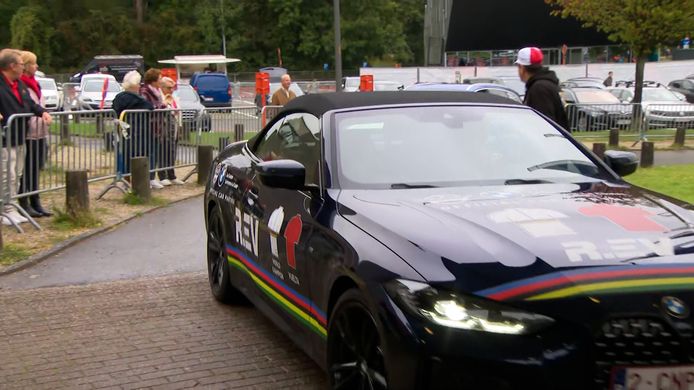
(647, 154)
(64, 129)
(76, 193)
(204, 163)
(140, 178)
(680, 135)
(614, 137)
(238, 132)
(599, 149)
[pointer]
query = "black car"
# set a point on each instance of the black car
(452, 240)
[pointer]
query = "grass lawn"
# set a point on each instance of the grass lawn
(674, 180)
(83, 129)
(213, 138)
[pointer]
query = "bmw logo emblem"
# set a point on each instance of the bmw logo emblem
(222, 176)
(675, 307)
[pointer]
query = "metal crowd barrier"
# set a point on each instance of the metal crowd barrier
(103, 144)
(635, 121)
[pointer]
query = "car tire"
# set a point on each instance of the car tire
(217, 263)
(355, 357)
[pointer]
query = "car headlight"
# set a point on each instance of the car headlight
(463, 311)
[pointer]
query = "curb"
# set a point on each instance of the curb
(39, 257)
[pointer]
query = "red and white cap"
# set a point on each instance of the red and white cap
(529, 56)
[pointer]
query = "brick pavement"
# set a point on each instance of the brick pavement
(161, 333)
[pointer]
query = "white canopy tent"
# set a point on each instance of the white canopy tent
(189, 64)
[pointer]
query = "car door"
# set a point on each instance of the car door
(286, 219)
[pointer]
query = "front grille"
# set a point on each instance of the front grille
(189, 114)
(637, 342)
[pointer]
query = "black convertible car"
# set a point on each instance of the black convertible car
(452, 240)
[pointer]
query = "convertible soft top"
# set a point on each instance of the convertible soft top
(320, 103)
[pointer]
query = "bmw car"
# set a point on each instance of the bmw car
(440, 240)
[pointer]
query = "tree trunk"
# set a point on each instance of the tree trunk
(637, 118)
(140, 11)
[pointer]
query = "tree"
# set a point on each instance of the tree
(31, 30)
(642, 24)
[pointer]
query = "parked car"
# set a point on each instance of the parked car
(213, 88)
(95, 76)
(661, 108)
(447, 241)
(91, 94)
(494, 89)
(513, 82)
(193, 113)
(115, 65)
(594, 109)
(583, 82)
(685, 87)
(350, 84)
(50, 93)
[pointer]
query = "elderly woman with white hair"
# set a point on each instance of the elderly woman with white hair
(138, 143)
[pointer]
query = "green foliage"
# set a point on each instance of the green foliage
(12, 253)
(674, 180)
(642, 24)
(66, 34)
(68, 221)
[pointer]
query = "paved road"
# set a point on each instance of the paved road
(131, 308)
(167, 241)
(673, 157)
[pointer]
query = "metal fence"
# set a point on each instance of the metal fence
(36, 155)
(636, 121)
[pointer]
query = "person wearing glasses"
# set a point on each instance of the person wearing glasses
(14, 99)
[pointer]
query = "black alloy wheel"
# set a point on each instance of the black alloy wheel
(355, 350)
(217, 265)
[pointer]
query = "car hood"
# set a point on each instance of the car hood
(482, 237)
(668, 105)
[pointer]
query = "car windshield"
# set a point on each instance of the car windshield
(47, 84)
(186, 93)
(97, 85)
(595, 96)
(659, 94)
(454, 145)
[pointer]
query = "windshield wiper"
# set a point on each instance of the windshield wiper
(400, 186)
(525, 181)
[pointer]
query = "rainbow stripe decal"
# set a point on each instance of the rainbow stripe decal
(596, 281)
(302, 309)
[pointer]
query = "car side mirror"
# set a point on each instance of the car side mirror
(623, 163)
(287, 174)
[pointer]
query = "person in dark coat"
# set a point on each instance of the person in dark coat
(151, 92)
(137, 144)
(14, 99)
(541, 86)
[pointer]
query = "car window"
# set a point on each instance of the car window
(47, 84)
(186, 93)
(502, 93)
(296, 137)
(211, 82)
(687, 84)
(452, 146)
(97, 85)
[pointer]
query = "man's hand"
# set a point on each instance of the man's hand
(47, 118)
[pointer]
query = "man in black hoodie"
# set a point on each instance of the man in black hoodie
(541, 86)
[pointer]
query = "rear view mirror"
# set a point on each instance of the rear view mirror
(623, 163)
(287, 174)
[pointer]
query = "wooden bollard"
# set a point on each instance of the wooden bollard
(223, 142)
(204, 163)
(76, 193)
(140, 178)
(679, 136)
(599, 149)
(647, 154)
(238, 132)
(614, 137)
